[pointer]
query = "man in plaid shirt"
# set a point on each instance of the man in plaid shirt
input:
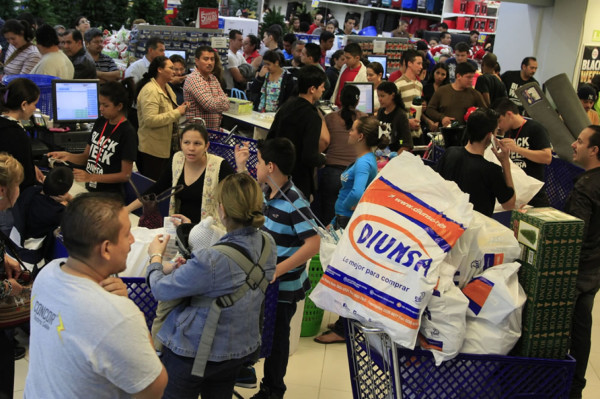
(203, 92)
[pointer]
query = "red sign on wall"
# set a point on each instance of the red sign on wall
(208, 18)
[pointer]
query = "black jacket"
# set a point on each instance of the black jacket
(584, 203)
(288, 87)
(15, 141)
(299, 121)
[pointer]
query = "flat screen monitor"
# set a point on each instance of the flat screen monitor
(382, 59)
(182, 53)
(365, 102)
(75, 101)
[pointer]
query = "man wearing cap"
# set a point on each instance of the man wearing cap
(588, 96)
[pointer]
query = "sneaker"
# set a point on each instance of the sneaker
(19, 352)
(246, 378)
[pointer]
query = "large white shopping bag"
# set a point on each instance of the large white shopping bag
(385, 266)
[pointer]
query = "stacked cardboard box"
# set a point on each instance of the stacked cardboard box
(550, 242)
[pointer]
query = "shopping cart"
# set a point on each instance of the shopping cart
(222, 144)
(139, 292)
(379, 369)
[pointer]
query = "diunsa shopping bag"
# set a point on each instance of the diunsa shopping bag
(486, 243)
(385, 266)
(443, 324)
(496, 301)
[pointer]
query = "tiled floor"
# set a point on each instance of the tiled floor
(321, 371)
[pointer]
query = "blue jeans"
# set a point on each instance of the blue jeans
(218, 381)
(588, 285)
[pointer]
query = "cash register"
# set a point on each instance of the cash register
(75, 107)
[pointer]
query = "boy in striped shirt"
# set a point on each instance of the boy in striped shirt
(296, 241)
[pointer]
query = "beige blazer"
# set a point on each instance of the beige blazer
(158, 117)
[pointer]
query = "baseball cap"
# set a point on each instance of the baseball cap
(587, 92)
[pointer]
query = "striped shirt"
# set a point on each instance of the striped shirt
(206, 99)
(289, 230)
(409, 89)
(105, 63)
(23, 62)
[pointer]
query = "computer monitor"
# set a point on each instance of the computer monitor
(182, 53)
(365, 102)
(382, 59)
(75, 101)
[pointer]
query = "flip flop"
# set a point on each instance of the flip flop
(336, 341)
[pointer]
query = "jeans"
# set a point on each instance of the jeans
(218, 381)
(329, 187)
(581, 330)
(276, 364)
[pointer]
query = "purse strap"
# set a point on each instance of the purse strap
(17, 52)
(168, 193)
(12, 248)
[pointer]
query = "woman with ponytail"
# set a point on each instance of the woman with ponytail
(210, 274)
(158, 117)
(392, 115)
(339, 153)
(18, 101)
(364, 138)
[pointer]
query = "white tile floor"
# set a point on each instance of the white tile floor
(321, 371)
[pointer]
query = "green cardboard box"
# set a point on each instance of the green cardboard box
(550, 244)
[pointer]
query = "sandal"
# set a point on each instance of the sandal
(335, 338)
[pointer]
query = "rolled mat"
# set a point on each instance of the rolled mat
(567, 103)
(537, 106)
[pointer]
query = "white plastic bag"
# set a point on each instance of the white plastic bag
(486, 243)
(496, 301)
(328, 245)
(137, 259)
(526, 187)
(443, 324)
(385, 267)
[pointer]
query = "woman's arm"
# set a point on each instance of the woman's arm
(81, 175)
(361, 181)
(149, 103)
(78, 159)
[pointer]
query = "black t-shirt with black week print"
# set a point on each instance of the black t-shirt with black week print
(118, 143)
(532, 136)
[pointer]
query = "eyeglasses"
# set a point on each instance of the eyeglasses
(83, 21)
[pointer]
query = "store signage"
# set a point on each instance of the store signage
(596, 36)
(208, 18)
(590, 64)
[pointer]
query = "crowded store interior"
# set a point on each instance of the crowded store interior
(329, 199)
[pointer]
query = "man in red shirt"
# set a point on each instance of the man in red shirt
(326, 43)
(318, 23)
(352, 71)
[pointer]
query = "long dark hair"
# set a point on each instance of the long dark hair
(391, 88)
(158, 62)
(119, 93)
(17, 91)
(439, 66)
(349, 99)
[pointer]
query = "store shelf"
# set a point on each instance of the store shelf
(392, 10)
(454, 15)
(468, 31)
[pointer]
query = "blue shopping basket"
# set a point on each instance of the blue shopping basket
(44, 82)
(139, 292)
(222, 144)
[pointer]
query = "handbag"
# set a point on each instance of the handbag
(15, 310)
(151, 217)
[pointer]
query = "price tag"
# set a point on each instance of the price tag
(218, 42)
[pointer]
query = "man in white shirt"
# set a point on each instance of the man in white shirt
(54, 62)
(87, 338)
(233, 76)
(154, 47)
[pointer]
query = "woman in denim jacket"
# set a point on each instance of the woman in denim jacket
(210, 273)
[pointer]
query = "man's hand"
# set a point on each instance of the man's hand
(241, 154)
(446, 121)
(159, 244)
(504, 154)
(433, 126)
(82, 176)
(510, 144)
(178, 79)
(114, 285)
